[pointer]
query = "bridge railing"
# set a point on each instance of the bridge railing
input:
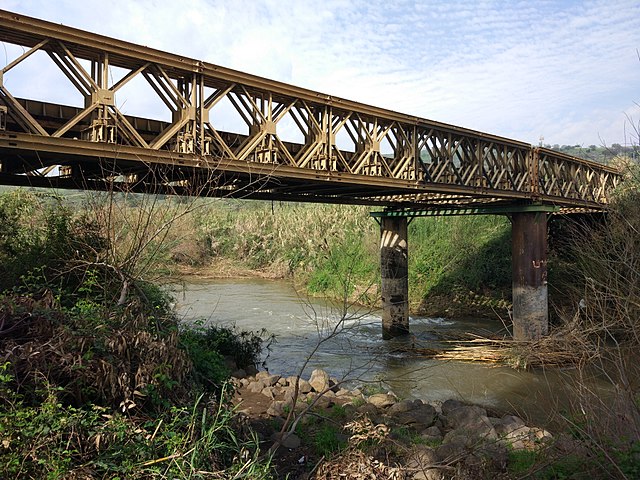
(464, 159)
(278, 129)
(565, 177)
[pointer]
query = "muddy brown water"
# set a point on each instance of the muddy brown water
(359, 353)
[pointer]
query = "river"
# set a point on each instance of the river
(359, 351)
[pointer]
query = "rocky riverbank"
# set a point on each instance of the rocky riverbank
(319, 429)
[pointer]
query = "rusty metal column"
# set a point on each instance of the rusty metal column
(395, 278)
(529, 262)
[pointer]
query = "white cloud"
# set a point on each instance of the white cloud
(567, 71)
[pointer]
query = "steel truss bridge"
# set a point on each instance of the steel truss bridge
(289, 143)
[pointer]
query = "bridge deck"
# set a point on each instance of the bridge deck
(285, 142)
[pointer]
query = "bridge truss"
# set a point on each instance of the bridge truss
(288, 143)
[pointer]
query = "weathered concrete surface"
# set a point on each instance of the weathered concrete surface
(529, 262)
(395, 279)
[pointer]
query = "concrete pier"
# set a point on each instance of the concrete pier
(529, 263)
(395, 280)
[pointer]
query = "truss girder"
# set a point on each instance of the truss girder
(335, 139)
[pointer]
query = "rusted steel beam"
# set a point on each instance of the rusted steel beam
(345, 143)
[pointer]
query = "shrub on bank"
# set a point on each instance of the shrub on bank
(97, 378)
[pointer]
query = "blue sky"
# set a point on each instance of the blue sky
(565, 70)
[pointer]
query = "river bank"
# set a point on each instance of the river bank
(333, 251)
(319, 429)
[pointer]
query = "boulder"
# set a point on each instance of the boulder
(429, 474)
(288, 396)
(464, 415)
(256, 386)
(334, 384)
(287, 440)
(432, 434)
(494, 454)
(520, 433)
(367, 409)
(303, 385)
(319, 380)
(276, 409)
(269, 392)
(382, 400)
(421, 461)
(541, 435)
(475, 432)
(404, 406)
(270, 380)
(450, 405)
(469, 425)
(495, 421)
(461, 438)
(325, 402)
(421, 417)
(508, 424)
(451, 452)
(239, 373)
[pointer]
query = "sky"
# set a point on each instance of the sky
(566, 71)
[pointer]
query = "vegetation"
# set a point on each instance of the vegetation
(98, 379)
(604, 331)
(601, 154)
(327, 249)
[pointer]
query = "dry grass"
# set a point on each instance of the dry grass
(556, 350)
(355, 463)
(109, 361)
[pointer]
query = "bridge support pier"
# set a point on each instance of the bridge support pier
(395, 279)
(529, 264)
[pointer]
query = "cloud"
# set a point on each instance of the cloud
(568, 71)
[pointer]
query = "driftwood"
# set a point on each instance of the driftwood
(553, 351)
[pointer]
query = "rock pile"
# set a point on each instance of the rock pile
(441, 434)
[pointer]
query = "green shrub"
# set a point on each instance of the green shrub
(521, 461)
(327, 440)
(208, 347)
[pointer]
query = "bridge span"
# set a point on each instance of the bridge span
(227, 133)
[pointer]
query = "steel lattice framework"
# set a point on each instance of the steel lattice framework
(345, 152)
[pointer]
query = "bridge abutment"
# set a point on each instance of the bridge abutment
(529, 264)
(395, 279)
